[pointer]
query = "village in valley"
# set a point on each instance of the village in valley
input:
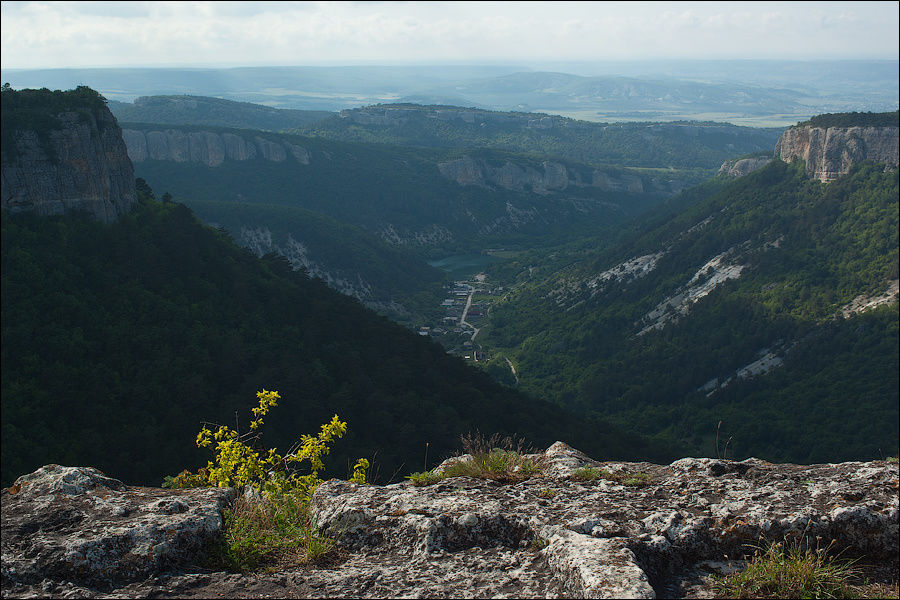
(464, 308)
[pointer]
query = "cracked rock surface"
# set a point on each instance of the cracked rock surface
(555, 535)
(76, 525)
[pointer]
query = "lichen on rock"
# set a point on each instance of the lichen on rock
(553, 535)
(76, 524)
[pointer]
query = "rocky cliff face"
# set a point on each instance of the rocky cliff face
(81, 165)
(829, 152)
(260, 241)
(638, 531)
(207, 147)
(551, 176)
(743, 166)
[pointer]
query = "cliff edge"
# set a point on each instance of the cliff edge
(831, 144)
(64, 152)
(636, 530)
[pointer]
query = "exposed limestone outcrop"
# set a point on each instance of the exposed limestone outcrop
(260, 241)
(830, 152)
(606, 539)
(552, 177)
(207, 147)
(74, 524)
(549, 536)
(743, 166)
(82, 165)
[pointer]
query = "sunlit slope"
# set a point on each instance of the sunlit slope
(770, 304)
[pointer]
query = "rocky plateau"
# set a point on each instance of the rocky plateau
(74, 532)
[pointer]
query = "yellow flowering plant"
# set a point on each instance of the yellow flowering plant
(237, 463)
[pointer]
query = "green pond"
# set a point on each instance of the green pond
(461, 266)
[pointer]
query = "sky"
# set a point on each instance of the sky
(154, 34)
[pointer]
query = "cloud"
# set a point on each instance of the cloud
(59, 34)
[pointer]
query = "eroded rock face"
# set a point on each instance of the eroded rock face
(830, 152)
(207, 147)
(743, 166)
(552, 176)
(75, 524)
(606, 539)
(548, 536)
(82, 166)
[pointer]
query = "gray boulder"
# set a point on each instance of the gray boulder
(75, 524)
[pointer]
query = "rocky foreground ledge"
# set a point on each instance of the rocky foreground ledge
(73, 532)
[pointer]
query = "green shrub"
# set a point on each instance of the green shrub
(239, 462)
(273, 526)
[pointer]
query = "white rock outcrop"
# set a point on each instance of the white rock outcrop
(830, 152)
(639, 530)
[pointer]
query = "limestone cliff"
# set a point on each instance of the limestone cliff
(207, 147)
(72, 160)
(829, 152)
(551, 176)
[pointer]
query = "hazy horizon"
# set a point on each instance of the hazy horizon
(41, 35)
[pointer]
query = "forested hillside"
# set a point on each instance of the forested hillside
(402, 195)
(202, 110)
(119, 340)
(387, 279)
(855, 119)
(742, 307)
(685, 145)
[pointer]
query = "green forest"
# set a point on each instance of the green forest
(399, 284)
(374, 186)
(854, 119)
(202, 110)
(685, 146)
(808, 249)
(120, 340)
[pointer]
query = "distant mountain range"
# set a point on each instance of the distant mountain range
(774, 93)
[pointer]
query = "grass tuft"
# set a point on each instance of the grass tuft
(424, 478)
(784, 570)
(636, 479)
(547, 493)
(270, 531)
(498, 458)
